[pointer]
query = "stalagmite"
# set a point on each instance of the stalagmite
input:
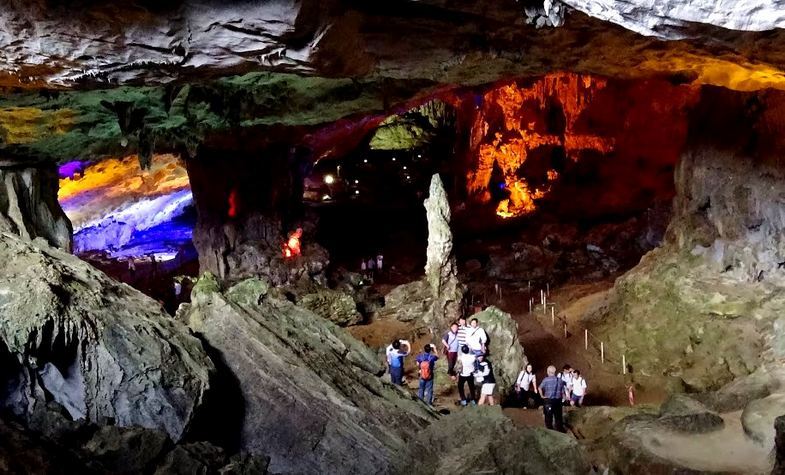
(440, 268)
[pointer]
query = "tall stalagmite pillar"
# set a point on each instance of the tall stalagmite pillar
(440, 269)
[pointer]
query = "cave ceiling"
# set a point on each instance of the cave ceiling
(88, 79)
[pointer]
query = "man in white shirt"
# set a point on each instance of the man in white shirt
(579, 387)
(466, 362)
(395, 356)
(476, 338)
(526, 387)
(566, 377)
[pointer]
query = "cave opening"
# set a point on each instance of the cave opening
(136, 225)
(575, 169)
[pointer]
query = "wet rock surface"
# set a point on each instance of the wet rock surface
(309, 390)
(97, 348)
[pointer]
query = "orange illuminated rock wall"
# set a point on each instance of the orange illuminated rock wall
(515, 120)
(537, 134)
(105, 186)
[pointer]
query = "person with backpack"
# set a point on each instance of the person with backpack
(395, 358)
(476, 338)
(485, 375)
(450, 345)
(467, 367)
(425, 362)
(579, 387)
(526, 387)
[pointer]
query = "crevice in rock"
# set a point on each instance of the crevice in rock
(220, 418)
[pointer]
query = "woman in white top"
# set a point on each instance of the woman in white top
(476, 338)
(526, 387)
(579, 387)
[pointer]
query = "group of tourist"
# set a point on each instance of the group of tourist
(372, 266)
(466, 350)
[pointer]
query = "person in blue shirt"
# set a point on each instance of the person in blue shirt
(395, 356)
(425, 362)
(553, 391)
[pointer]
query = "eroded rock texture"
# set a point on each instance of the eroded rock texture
(312, 396)
(88, 43)
(506, 352)
(29, 207)
(441, 271)
(99, 349)
(246, 207)
(672, 18)
(706, 307)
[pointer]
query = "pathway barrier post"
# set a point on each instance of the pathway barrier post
(623, 364)
(553, 316)
(586, 339)
(602, 352)
(565, 329)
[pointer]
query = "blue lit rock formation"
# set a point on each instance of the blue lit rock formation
(124, 211)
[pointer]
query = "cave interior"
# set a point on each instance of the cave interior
(601, 185)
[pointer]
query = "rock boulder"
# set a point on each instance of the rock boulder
(484, 440)
(313, 398)
(332, 305)
(685, 414)
(100, 349)
(505, 351)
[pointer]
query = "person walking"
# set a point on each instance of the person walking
(395, 356)
(425, 362)
(450, 346)
(466, 363)
(476, 338)
(526, 387)
(579, 388)
(485, 370)
(552, 392)
(131, 268)
(566, 377)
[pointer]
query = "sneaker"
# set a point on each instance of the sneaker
(463, 403)
(473, 403)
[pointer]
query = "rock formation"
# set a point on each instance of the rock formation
(483, 440)
(673, 19)
(441, 271)
(715, 287)
(506, 351)
(99, 349)
(29, 207)
(338, 307)
(245, 207)
(113, 44)
(312, 398)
